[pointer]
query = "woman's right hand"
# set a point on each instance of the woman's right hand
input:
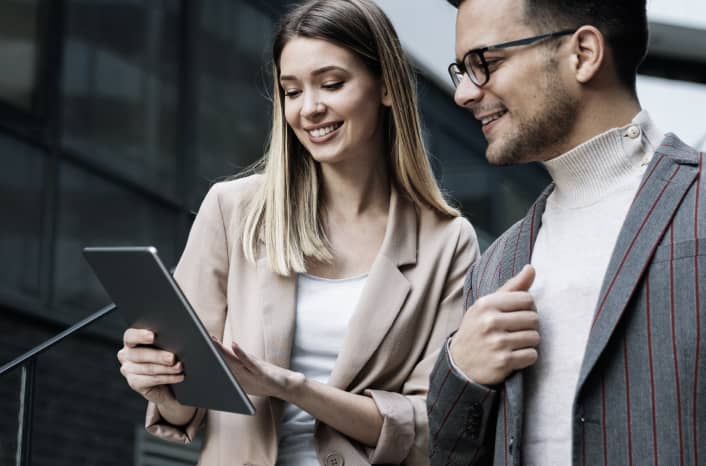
(148, 370)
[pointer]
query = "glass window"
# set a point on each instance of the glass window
(120, 87)
(233, 120)
(95, 212)
(18, 52)
(21, 191)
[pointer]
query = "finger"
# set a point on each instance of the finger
(243, 357)
(137, 336)
(508, 301)
(517, 321)
(522, 340)
(520, 282)
(148, 355)
(145, 382)
(131, 368)
(523, 358)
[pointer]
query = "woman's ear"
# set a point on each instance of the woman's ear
(588, 53)
(386, 97)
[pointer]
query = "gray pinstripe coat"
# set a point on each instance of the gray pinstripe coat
(641, 396)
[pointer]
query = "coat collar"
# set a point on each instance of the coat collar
(381, 299)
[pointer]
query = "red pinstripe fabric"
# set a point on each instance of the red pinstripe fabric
(448, 372)
(475, 455)
(517, 244)
(531, 245)
(697, 312)
(448, 413)
(674, 345)
(652, 371)
(491, 254)
(627, 252)
(627, 399)
(649, 175)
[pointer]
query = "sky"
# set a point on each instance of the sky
(426, 29)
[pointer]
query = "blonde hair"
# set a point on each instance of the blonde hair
(285, 211)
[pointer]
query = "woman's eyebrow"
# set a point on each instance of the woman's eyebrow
(316, 72)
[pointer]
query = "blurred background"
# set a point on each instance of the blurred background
(115, 118)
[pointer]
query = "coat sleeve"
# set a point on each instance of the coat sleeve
(202, 275)
(404, 437)
(461, 413)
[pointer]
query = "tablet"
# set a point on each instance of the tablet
(148, 297)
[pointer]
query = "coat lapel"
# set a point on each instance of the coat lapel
(671, 172)
(278, 313)
(383, 295)
(517, 253)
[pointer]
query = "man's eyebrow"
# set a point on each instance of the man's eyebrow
(316, 72)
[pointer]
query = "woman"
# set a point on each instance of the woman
(332, 276)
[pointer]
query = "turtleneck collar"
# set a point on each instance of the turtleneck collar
(604, 163)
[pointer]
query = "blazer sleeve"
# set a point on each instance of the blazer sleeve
(461, 412)
(202, 274)
(404, 437)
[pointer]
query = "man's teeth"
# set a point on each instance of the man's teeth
(491, 118)
(320, 132)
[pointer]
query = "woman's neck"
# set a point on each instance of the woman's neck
(351, 190)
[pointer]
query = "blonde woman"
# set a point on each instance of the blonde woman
(333, 276)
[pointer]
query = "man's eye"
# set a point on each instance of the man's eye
(493, 62)
(333, 85)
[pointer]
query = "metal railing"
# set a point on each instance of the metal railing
(28, 363)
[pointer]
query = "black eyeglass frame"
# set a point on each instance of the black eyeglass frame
(458, 69)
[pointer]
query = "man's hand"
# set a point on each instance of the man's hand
(498, 334)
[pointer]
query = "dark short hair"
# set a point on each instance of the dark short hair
(623, 23)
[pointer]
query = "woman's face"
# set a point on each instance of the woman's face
(331, 101)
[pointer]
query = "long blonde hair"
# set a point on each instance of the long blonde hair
(285, 211)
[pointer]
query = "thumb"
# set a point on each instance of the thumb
(520, 282)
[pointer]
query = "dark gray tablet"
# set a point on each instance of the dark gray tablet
(148, 297)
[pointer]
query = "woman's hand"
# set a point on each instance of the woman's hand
(147, 370)
(258, 377)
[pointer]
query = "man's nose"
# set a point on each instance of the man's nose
(467, 93)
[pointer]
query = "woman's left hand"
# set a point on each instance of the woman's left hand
(258, 377)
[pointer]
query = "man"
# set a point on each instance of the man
(581, 343)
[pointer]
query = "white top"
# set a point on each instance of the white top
(595, 184)
(324, 308)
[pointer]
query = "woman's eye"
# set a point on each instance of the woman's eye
(291, 93)
(333, 85)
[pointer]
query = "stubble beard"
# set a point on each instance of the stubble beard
(537, 136)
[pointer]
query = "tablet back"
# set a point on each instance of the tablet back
(148, 297)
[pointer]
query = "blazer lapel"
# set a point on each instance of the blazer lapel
(673, 169)
(517, 253)
(278, 313)
(383, 295)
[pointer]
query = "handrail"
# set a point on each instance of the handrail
(42, 347)
(28, 363)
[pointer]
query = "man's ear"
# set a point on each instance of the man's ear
(588, 53)
(386, 97)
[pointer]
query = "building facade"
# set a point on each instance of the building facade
(115, 118)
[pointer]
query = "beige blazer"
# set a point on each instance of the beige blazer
(411, 301)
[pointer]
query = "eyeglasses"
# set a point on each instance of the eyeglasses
(475, 65)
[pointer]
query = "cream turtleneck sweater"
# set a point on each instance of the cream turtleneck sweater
(594, 185)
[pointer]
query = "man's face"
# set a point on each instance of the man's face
(526, 110)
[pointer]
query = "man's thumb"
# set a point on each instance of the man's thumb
(520, 282)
